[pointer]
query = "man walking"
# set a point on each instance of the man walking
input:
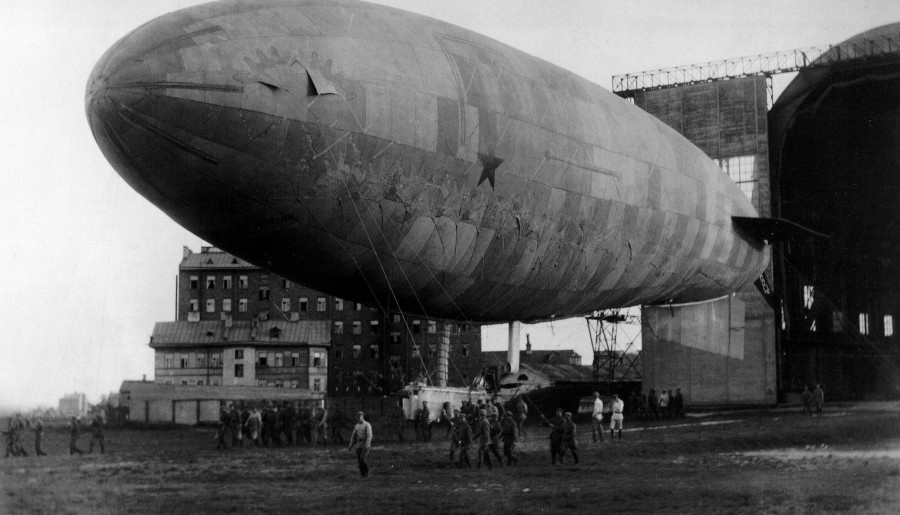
(483, 434)
(569, 441)
(38, 426)
(462, 440)
(556, 436)
(362, 439)
(597, 418)
(97, 434)
(74, 431)
(618, 408)
(509, 435)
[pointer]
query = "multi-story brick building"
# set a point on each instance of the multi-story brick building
(239, 324)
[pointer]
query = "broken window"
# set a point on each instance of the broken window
(318, 359)
(373, 351)
(285, 304)
(194, 305)
(263, 293)
(210, 282)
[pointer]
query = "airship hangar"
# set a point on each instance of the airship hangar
(824, 153)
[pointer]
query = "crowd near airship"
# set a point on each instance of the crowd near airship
(397, 160)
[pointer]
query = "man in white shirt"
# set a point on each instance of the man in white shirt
(597, 418)
(362, 439)
(618, 408)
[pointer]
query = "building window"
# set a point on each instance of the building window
(263, 293)
(226, 305)
(373, 350)
(170, 360)
(415, 351)
(417, 327)
(279, 359)
(285, 304)
(338, 304)
(185, 361)
(260, 382)
(356, 350)
(394, 361)
(741, 170)
(226, 282)
(200, 361)
(194, 305)
(395, 337)
(216, 382)
(338, 327)
(295, 359)
(215, 359)
(242, 305)
(238, 353)
(358, 306)
(210, 282)
(304, 304)
(465, 350)
(374, 326)
(318, 359)
(321, 304)
(243, 283)
(210, 305)
(262, 360)
(888, 325)
(863, 323)
(285, 283)
(338, 353)
(432, 327)
(295, 383)
(239, 370)
(357, 327)
(396, 318)
(199, 382)
(195, 282)
(317, 384)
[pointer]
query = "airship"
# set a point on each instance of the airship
(400, 161)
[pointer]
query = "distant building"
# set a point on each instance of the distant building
(240, 325)
(73, 405)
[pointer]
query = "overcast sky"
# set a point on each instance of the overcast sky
(87, 265)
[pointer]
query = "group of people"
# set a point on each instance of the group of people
(812, 399)
(274, 425)
(17, 426)
(666, 404)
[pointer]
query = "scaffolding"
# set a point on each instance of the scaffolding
(612, 363)
(763, 64)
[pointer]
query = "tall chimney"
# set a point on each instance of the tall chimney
(443, 356)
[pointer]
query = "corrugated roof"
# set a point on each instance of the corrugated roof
(214, 333)
(560, 372)
(213, 259)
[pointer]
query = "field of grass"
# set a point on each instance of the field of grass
(739, 462)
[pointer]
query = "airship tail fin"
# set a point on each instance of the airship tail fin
(773, 229)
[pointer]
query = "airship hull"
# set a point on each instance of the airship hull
(397, 160)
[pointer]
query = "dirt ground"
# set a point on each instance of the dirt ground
(775, 461)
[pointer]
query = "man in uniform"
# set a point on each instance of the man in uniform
(494, 446)
(597, 418)
(17, 431)
(556, 435)
(423, 423)
(287, 423)
(74, 431)
(569, 441)
(97, 434)
(321, 421)
(521, 415)
(253, 424)
(223, 430)
(483, 434)
(38, 426)
(234, 425)
(337, 427)
(462, 439)
(618, 408)
(819, 398)
(509, 435)
(362, 439)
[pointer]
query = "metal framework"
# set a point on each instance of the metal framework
(762, 64)
(610, 363)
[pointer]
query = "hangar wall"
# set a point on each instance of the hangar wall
(728, 120)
